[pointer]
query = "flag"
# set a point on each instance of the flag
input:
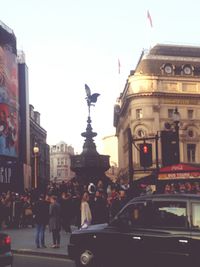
(149, 18)
(119, 66)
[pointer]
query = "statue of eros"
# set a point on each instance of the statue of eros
(91, 98)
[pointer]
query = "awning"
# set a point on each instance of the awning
(179, 171)
(147, 180)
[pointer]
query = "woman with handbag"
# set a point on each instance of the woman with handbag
(86, 215)
(27, 212)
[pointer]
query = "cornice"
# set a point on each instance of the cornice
(129, 97)
(163, 95)
(172, 58)
(37, 126)
(175, 78)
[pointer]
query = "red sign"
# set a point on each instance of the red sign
(9, 104)
(179, 171)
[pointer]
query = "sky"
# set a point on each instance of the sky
(70, 43)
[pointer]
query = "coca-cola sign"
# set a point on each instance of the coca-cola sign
(179, 171)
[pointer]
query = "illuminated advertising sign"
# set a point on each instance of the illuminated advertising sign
(8, 101)
(179, 171)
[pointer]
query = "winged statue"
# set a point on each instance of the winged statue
(91, 98)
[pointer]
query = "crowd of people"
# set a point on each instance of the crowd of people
(181, 187)
(60, 207)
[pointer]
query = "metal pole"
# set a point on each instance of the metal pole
(130, 157)
(157, 163)
(177, 142)
(35, 170)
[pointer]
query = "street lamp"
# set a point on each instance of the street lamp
(35, 151)
(176, 119)
(130, 157)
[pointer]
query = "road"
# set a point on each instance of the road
(39, 261)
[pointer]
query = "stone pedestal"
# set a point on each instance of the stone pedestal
(90, 166)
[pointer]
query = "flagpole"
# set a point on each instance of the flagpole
(119, 76)
(151, 31)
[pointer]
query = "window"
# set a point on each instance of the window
(141, 133)
(191, 151)
(62, 148)
(196, 215)
(136, 215)
(139, 114)
(170, 113)
(140, 215)
(190, 133)
(169, 214)
(190, 114)
(157, 214)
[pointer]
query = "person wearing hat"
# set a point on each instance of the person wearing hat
(41, 213)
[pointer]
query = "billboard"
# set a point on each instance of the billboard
(179, 171)
(9, 106)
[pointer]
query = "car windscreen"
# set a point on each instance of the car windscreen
(154, 214)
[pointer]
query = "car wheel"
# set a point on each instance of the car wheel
(86, 258)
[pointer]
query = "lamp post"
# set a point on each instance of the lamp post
(176, 120)
(35, 151)
(130, 157)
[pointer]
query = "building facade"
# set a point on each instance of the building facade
(10, 162)
(24, 125)
(60, 162)
(110, 147)
(40, 159)
(19, 127)
(165, 78)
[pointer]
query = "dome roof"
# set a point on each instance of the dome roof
(176, 55)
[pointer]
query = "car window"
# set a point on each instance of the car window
(196, 215)
(136, 215)
(169, 214)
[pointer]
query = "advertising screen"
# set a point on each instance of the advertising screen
(8, 101)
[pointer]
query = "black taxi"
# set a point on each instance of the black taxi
(6, 256)
(153, 230)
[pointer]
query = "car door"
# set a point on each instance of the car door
(171, 232)
(124, 238)
(195, 231)
(141, 235)
(133, 241)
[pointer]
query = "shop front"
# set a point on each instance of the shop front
(180, 178)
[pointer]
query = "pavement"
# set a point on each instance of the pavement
(23, 242)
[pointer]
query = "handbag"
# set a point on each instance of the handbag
(28, 212)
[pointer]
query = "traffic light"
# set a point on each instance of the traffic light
(169, 148)
(145, 155)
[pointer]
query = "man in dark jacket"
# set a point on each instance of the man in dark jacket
(66, 211)
(55, 221)
(99, 209)
(41, 212)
